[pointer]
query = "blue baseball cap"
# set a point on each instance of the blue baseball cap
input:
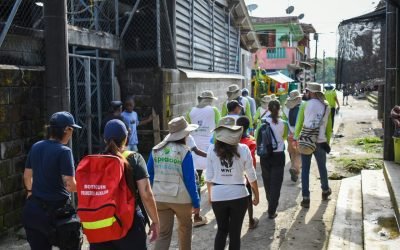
(63, 119)
(115, 129)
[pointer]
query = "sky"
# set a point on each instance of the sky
(324, 15)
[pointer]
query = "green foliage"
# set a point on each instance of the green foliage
(330, 70)
(356, 165)
(370, 144)
(284, 38)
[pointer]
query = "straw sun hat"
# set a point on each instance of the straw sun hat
(294, 99)
(228, 132)
(178, 128)
(233, 92)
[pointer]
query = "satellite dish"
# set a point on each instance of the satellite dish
(252, 7)
(301, 16)
(290, 10)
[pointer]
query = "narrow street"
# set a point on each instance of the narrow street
(294, 228)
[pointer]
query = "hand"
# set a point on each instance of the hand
(28, 194)
(195, 210)
(154, 231)
(295, 144)
(255, 201)
(150, 118)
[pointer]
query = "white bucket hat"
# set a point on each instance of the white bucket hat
(228, 132)
(294, 99)
(178, 128)
(314, 87)
(233, 92)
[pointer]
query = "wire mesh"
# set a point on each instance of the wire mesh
(97, 15)
(20, 20)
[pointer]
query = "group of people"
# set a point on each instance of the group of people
(219, 143)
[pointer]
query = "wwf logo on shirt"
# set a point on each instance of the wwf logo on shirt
(227, 166)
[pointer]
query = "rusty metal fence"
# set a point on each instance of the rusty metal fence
(92, 89)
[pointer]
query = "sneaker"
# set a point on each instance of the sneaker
(293, 175)
(198, 223)
(325, 194)
(305, 202)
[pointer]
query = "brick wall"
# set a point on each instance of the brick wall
(21, 124)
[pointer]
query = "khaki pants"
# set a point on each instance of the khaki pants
(295, 156)
(166, 212)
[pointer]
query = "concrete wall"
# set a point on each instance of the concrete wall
(21, 125)
(181, 92)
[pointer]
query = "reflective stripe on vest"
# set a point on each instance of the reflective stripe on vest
(99, 224)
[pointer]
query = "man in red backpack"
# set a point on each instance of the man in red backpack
(134, 185)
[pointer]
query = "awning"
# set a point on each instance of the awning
(209, 75)
(279, 77)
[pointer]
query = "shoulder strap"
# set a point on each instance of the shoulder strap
(131, 155)
(273, 135)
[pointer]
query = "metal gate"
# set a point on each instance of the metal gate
(92, 90)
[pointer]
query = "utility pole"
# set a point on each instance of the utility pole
(323, 68)
(316, 53)
(56, 56)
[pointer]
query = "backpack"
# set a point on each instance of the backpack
(106, 204)
(266, 141)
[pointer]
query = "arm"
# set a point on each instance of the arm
(147, 197)
(28, 173)
(199, 152)
(299, 121)
(209, 173)
(285, 131)
(251, 175)
(69, 183)
(146, 121)
(150, 168)
(190, 180)
(248, 114)
(224, 110)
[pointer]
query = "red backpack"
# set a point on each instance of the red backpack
(105, 202)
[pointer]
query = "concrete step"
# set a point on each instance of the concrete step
(380, 227)
(347, 225)
(392, 176)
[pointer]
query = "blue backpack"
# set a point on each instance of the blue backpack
(266, 141)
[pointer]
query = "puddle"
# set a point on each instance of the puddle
(388, 229)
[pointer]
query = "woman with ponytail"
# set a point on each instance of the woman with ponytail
(272, 167)
(137, 179)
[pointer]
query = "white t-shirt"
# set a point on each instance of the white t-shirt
(205, 118)
(230, 176)
(279, 130)
(314, 117)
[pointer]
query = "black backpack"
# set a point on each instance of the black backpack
(266, 141)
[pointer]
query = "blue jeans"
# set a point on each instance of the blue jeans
(320, 157)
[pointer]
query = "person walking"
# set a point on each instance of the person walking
(207, 116)
(262, 111)
(273, 166)
(331, 98)
(137, 179)
(234, 109)
(49, 179)
(115, 111)
(228, 164)
(314, 126)
(253, 108)
(234, 93)
(290, 112)
(250, 142)
(172, 176)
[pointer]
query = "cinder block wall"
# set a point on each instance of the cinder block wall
(181, 92)
(21, 125)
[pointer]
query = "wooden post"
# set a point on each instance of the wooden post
(156, 127)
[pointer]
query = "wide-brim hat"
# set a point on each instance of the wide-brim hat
(178, 128)
(267, 98)
(207, 94)
(228, 132)
(294, 99)
(233, 92)
(314, 87)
